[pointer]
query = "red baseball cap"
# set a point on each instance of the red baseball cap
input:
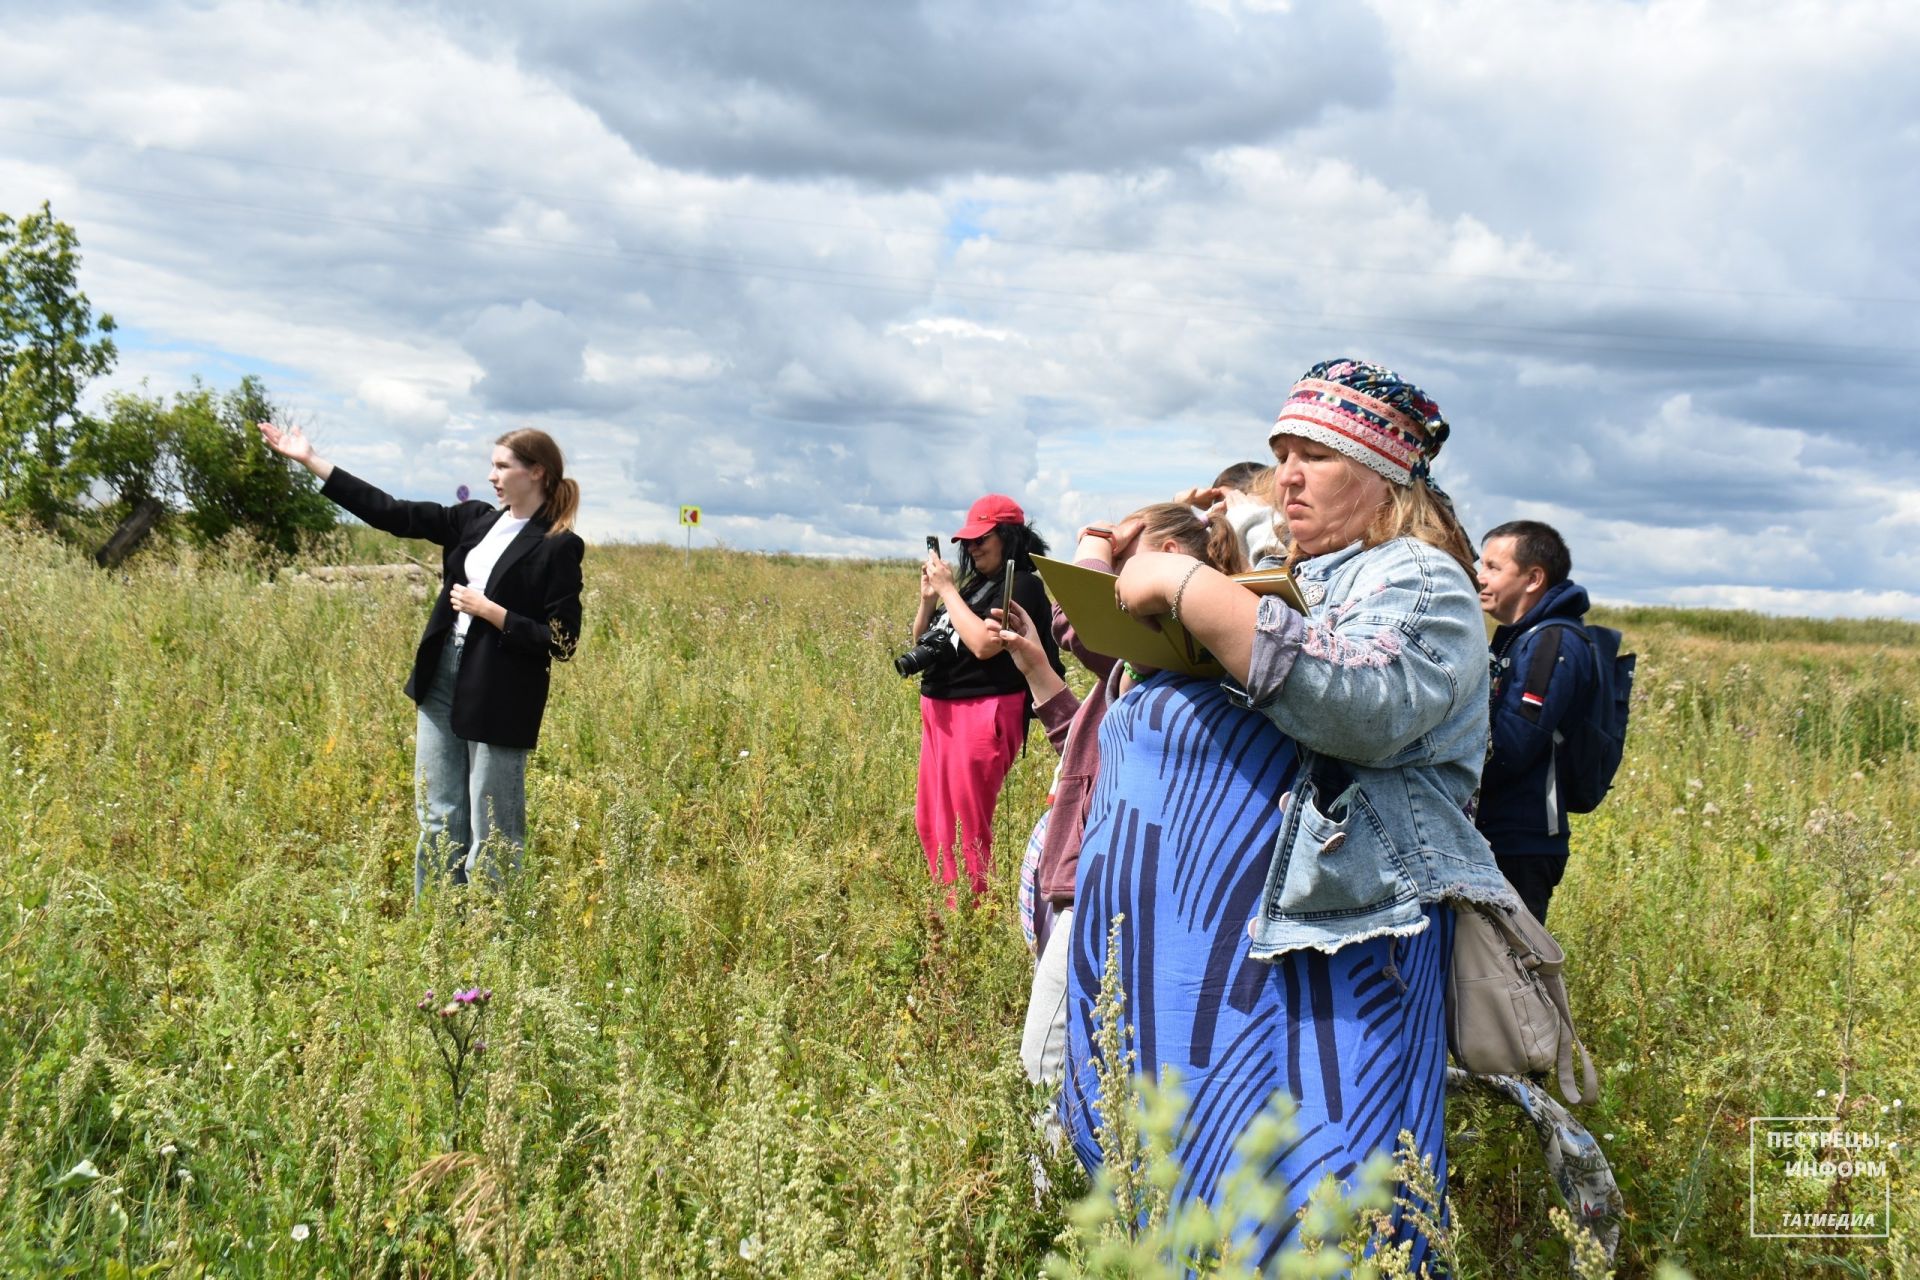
(995, 508)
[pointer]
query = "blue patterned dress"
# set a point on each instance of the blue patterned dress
(1179, 833)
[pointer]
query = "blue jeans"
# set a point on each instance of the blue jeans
(471, 798)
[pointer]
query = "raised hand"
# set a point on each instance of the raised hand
(1126, 538)
(1203, 497)
(936, 574)
(292, 444)
(288, 442)
(1014, 629)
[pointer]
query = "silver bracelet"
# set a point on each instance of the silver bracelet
(1181, 590)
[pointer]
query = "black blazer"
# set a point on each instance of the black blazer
(501, 691)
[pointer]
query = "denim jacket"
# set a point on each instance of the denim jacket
(1383, 686)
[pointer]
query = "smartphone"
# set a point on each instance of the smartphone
(1006, 597)
(933, 544)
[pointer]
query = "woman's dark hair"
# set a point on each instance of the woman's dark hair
(1240, 475)
(1018, 542)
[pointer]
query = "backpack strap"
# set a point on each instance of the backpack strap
(1546, 652)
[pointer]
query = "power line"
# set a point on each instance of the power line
(1236, 261)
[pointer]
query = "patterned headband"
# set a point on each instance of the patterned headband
(1368, 413)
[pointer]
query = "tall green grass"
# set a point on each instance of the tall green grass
(734, 1032)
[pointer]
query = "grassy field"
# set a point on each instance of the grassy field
(731, 1032)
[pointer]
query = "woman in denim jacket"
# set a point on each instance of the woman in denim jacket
(1382, 686)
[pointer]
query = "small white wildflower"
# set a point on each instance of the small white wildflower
(743, 756)
(300, 1231)
(609, 986)
(1694, 784)
(1896, 1102)
(1710, 808)
(1606, 1137)
(626, 991)
(750, 1246)
(1819, 1093)
(169, 1148)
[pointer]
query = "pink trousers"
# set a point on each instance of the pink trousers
(966, 747)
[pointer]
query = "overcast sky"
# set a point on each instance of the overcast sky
(832, 270)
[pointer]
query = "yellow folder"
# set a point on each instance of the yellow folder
(1086, 597)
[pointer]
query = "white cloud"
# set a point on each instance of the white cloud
(833, 276)
(1818, 604)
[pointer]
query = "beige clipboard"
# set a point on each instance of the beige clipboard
(1086, 597)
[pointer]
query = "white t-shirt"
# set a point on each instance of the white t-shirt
(481, 559)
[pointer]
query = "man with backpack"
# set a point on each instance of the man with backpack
(1559, 706)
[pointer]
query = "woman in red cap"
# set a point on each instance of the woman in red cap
(974, 703)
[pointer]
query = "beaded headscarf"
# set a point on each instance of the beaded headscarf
(1368, 413)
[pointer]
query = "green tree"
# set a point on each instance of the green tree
(130, 450)
(50, 348)
(230, 479)
(202, 456)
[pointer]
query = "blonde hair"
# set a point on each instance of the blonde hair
(1213, 541)
(535, 448)
(1412, 511)
(1261, 484)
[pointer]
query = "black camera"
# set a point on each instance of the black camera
(935, 645)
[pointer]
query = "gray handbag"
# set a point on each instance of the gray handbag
(1506, 1004)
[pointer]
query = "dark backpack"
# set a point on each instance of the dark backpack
(1590, 741)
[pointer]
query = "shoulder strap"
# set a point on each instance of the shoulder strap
(1569, 1043)
(1546, 652)
(1556, 992)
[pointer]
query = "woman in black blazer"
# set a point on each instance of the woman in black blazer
(480, 672)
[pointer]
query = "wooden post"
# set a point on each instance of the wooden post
(131, 533)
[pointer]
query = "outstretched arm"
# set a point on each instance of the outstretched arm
(429, 520)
